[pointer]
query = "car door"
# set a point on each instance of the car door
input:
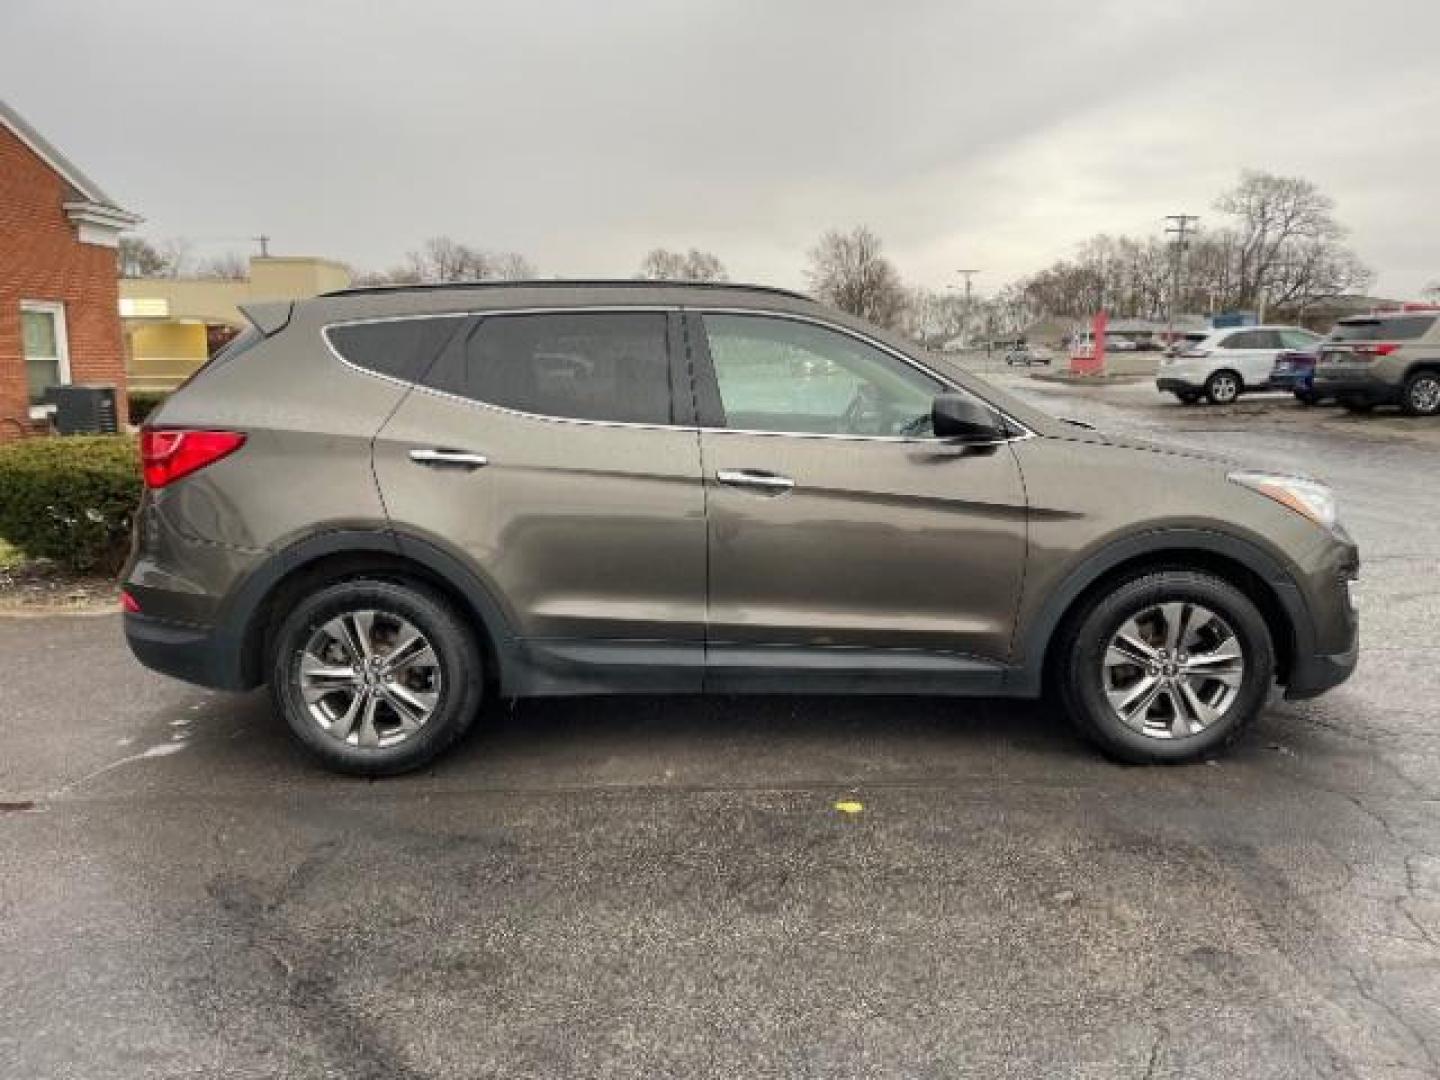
(1252, 354)
(845, 542)
(545, 447)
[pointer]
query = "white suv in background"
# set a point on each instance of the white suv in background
(1226, 363)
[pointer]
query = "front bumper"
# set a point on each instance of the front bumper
(1312, 675)
(1176, 383)
(1292, 380)
(1327, 645)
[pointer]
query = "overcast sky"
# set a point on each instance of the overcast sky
(582, 133)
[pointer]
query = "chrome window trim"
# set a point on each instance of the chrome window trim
(1026, 432)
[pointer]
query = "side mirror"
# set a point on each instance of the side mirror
(955, 416)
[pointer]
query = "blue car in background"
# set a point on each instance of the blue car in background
(1295, 371)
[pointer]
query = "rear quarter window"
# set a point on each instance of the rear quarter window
(398, 348)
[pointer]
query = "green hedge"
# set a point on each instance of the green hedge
(70, 499)
(143, 402)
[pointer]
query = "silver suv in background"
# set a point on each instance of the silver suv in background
(1390, 358)
(1227, 363)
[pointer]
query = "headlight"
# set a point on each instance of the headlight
(1310, 498)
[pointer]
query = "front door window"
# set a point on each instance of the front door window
(784, 375)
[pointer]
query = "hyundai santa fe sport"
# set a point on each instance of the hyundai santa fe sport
(399, 506)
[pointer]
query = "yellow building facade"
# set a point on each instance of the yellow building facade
(172, 325)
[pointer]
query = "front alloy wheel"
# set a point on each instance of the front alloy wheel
(1165, 667)
(1173, 670)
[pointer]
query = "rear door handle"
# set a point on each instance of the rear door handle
(756, 479)
(437, 457)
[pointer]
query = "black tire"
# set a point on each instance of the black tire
(1307, 398)
(1223, 387)
(459, 663)
(1082, 648)
(1422, 394)
(1357, 405)
(1188, 397)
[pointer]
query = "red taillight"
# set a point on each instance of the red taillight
(1382, 348)
(167, 454)
(129, 603)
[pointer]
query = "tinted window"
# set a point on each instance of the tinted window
(789, 376)
(1252, 339)
(400, 348)
(603, 365)
(1400, 328)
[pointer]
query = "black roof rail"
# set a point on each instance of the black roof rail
(567, 283)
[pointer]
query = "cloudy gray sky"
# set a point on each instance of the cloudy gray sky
(584, 132)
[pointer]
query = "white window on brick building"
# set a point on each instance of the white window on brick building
(47, 357)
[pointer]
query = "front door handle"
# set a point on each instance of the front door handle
(438, 457)
(756, 479)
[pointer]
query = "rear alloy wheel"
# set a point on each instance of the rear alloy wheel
(1222, 388)
(1422, 394)
(1167, 667)
(376, 677)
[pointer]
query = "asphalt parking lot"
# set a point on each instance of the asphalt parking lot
(664, 887)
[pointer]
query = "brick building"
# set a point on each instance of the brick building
(59, 300)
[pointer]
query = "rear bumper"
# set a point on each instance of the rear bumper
(182, 651)
(1356, 388)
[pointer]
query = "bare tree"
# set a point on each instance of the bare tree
(511, 266)
(694, 265)
(1284, 251)
(932, 317)
(848, 270)
(1286, 244)
(231, 266)
(442, 258)
(140, 258)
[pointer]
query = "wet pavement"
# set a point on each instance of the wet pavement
(664, 887)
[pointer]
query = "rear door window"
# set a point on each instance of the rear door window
(1253, 339)
(397, 348)
(1399, 328)
(1298, 339)
(611, 366)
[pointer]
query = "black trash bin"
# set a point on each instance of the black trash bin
(85, 410)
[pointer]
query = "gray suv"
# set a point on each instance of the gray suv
(398, 505)
(1390, 358)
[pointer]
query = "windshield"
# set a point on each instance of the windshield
(1398, 328)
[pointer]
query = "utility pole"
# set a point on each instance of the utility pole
(264, 242)
(968, 275)
(1179, 226)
